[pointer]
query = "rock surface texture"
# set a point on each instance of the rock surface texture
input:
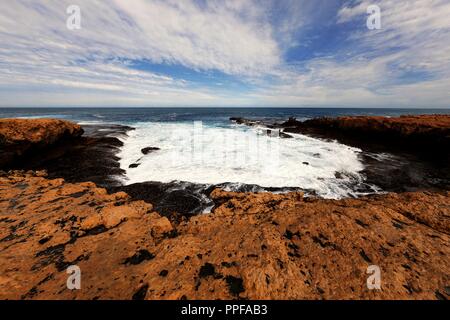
(420, 133)
(253, 246)
(19, 137)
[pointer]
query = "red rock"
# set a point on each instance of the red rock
(253, 246)
(260, 246)
(21, 136)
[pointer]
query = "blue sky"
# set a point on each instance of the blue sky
(302, 53)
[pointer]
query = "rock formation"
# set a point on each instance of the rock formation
(429, 133)
(253, 246)
(20, 137)
(148, 150)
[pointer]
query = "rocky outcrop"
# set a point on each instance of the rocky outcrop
(247, 122)
(48, 225)
(20, 137)
(91, 157)
(400, 154)
(417, 133)
(253, 246)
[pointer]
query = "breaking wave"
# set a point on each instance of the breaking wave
(215, 153)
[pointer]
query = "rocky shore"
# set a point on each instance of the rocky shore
(406, 153)
(252, 245)
(21, 138)
(428, 135)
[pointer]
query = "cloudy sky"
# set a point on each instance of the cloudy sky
(303, 53)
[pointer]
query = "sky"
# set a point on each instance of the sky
(300, 53)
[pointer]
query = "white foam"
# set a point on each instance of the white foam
(43, 116)
(239, 154)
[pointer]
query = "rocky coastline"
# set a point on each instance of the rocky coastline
(415, 149)
(59, 206)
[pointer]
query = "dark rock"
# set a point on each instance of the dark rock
(235, 285)
(139, 257)
(338, 175)
(45, 240)
(364, 256)
(247, 122)
(141, 293)
(91, 157)
(148, 150)
(134, 165)
(206, 270)
(181, 197)
(163, 273)
(292, 122)
(439, 295)
(285, 135)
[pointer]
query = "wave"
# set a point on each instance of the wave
(210, 154)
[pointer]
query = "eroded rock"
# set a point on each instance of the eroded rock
(253, 246)
(19, 137)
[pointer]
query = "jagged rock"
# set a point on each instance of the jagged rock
(91, 157)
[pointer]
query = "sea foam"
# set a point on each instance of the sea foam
(214, 154)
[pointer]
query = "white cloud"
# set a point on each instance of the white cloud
(177, 32)
(348, 13)
(36, 48)
(42, 62)
(414, 41)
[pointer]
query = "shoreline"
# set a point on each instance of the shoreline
(93, 157)
(252, 245)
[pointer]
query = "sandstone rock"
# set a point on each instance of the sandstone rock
(253, 246)
(21, 136)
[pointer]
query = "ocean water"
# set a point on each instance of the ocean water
(201, 145)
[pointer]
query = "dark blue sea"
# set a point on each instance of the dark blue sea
(124, 115)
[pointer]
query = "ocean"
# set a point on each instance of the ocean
(202, 146)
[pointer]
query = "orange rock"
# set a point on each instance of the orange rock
(254, 246)
(36, 131)
(21, 136)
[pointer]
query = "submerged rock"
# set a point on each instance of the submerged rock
(148, 150)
